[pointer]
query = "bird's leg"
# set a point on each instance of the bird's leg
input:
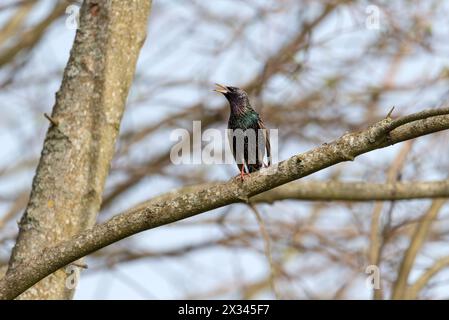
(243, 173)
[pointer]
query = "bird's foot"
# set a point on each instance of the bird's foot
(243, 174)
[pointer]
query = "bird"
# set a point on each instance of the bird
(249, 144)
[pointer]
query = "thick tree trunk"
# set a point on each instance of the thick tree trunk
(68, 185)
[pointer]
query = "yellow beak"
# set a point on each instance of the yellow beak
(221, 88)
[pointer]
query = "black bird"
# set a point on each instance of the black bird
(248, 145)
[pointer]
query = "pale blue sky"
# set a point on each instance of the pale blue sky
(190, 59)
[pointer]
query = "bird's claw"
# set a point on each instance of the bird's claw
(243, 174)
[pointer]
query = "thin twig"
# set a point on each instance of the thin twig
(267, 246)
(52, 120)
(80, 265)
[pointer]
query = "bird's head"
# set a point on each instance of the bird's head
(237, 97)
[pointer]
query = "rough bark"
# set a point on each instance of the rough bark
(178, 205)
(69, 181)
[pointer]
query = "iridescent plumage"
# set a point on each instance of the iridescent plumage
(254, 137)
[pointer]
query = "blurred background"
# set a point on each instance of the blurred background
(314, 70)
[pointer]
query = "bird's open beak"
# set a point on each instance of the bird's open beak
(221, 88)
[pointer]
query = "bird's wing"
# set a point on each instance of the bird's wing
(239, 155)
(266, 135)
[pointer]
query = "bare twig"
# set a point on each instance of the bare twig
(417, 240)
(267, 246)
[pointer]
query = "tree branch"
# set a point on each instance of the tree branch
(423, 280)
(173, 206)
(355, 191)
(30, 38)
(417, 240)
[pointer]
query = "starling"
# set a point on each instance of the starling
(248, 144)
